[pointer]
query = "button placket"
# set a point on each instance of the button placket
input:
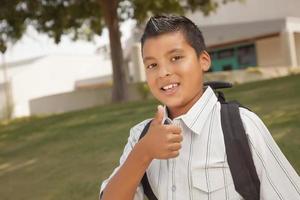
(176, 122)
(173, 188)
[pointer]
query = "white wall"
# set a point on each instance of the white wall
(136, 67)
(2, 100)
(12, 71)
(52, 75)
(269, 52)
(297, 42)
(77, 100)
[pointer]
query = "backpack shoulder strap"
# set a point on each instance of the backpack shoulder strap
(145, 182)
(238, 152)
(145, 130)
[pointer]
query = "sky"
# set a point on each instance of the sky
(34, 44)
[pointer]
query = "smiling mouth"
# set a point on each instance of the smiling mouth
(170, 88)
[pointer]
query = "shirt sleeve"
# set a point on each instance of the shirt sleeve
(132, 140)
(278, 178)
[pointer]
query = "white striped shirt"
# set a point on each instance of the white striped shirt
(201, 170)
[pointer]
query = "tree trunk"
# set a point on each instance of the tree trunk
(120, 87)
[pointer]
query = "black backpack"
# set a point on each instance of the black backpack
(246, 181)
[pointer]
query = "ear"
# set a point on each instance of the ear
(205, 61)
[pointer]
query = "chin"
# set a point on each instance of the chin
(173, 103)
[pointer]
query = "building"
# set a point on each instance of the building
(267, 43)
(256, 33)
(48, 75)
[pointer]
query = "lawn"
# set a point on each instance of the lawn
(67, 156)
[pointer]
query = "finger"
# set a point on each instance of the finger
(173, 128)
(158, 118)
(175, 138)
(175, 146)
(174, 154)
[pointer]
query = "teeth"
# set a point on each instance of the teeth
(167, 87)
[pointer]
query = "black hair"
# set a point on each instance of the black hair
(161, 24)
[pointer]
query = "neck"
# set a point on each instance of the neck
(174, 112)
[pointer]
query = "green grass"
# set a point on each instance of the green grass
(67, 156)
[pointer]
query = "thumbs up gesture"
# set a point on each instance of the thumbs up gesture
(162, 141)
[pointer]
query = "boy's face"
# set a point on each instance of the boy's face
(174, 72)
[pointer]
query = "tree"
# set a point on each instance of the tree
(85, 18)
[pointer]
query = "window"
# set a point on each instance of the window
(227, 53)
(246, 56)
(227, 67)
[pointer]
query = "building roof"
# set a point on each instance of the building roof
(230, 33)
(225, 34)
(21, 63)
(95, 82)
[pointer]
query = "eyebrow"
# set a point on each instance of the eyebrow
(148, 58)
(176, 50)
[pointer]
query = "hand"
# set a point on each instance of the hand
(162, 141)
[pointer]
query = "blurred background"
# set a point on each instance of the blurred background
(72, 82)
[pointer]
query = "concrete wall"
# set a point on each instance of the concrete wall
(269, 52)
(81, 99)
(297, 44)
(137, 66)
(248, 75)
(76, 100)
(5, 104)
(50, 75)
(2, 101)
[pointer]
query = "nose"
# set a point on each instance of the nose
(165, 70)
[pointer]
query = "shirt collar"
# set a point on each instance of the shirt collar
(198, 113)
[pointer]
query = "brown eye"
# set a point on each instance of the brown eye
(175, 58)
(151, 66)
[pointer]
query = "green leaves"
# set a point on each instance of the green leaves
(78, 18)
(12, 22)
(143, 9)
(82, 19)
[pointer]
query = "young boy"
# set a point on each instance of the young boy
(186, 158)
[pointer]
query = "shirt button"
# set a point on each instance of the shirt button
(173, 188)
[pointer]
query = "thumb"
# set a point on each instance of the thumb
(159, 115)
